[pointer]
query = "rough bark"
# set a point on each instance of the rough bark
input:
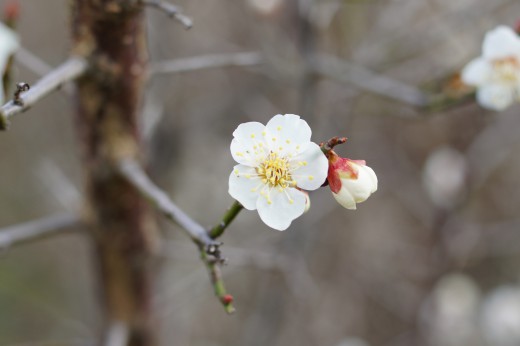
(112, 34)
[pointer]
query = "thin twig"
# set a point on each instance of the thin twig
(228, 217)
(71, 69)
(215, 275)
(361, 77)
(209, 251)
(206, 62)
(171, 10)
(213, 265)
(38, 229)
(327, 146)
(132, 171)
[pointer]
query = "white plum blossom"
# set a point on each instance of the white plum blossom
(496, 74)
(265, 7)
(9, 43)
(351, 181)
(448, 316)
(275, 163)
(444, 176)
(501, 316)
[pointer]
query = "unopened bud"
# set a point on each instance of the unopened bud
(351, 181)
(227, 299)
(12, 11)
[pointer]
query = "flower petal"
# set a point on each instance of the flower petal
(357, 190)
(495, 97)
(311, 168)
(501, 42)
(288, 134)
(477, 72)
(346, 199)
(248, 157)
(244, 186)
(280, 212)
(248, 139)
(9, 43)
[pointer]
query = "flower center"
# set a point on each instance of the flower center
(275, 171)
(506, 70)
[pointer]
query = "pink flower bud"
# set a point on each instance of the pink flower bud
(351, 181)
(227, 299)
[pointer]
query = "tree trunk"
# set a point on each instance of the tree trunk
(112, 34)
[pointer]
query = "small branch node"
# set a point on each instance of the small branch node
(327, 146)
(214, 250)
(20, 88)
(71, 69)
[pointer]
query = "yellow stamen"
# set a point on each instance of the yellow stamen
(275, 171)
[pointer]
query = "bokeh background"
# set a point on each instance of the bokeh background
(432, 258)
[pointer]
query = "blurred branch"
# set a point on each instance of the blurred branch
(346, 72)
(442, 101)
(206, 62)
(171, 10)
(132, 171)
(343, 71)
(32, 62)
(134, 174)
(35, 230)
(71, 69)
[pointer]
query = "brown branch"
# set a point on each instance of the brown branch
(108, 100)
(71, 69)
(171, 10)
(38, 229)
(327, 146)
(206, 62)
(135, 175)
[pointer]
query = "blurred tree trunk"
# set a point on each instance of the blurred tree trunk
(112, 34)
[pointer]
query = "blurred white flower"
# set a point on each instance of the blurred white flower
(501, 316)
(265, 7)
(8, 45)
(444, 176)
(276, 162)
(450, 314)
(351, 181)
(496, 73)
(352, 341)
